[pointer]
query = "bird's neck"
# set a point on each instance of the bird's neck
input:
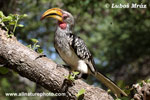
(62, 32)
(60, 37)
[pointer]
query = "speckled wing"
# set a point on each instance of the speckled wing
(81, 50)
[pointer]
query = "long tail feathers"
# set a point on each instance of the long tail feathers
(109, 84)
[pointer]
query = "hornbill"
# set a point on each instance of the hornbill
(73, 50)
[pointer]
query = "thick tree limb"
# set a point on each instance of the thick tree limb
(43, 71)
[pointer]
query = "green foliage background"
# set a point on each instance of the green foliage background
(119, 39)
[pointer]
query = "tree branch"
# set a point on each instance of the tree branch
(43, 71)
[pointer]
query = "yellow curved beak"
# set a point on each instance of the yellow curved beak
(54, 13)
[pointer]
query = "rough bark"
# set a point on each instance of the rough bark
(43, 71)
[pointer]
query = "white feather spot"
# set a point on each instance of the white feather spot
(82, 67)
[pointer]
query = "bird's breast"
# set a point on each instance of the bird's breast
(69, 56)
(66, 53)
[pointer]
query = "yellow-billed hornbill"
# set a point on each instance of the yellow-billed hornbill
(73, 50)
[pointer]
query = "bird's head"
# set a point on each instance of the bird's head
(64, 18)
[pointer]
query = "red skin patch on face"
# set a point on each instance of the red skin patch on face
(62, 25)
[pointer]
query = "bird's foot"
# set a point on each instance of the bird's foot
(81, 75)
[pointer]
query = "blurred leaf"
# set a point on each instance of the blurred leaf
(40, 50)
(23, 16)
(148, 81)
(1, 14)
(37, 46)
(71, 77)
(80, 92)
(5, 83)
(34, 40)
(75, 73)
(29, 46)
(8, 18)
(12, 23)
(20, 25)
(3, 70)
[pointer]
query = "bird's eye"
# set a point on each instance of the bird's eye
(65, 16)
